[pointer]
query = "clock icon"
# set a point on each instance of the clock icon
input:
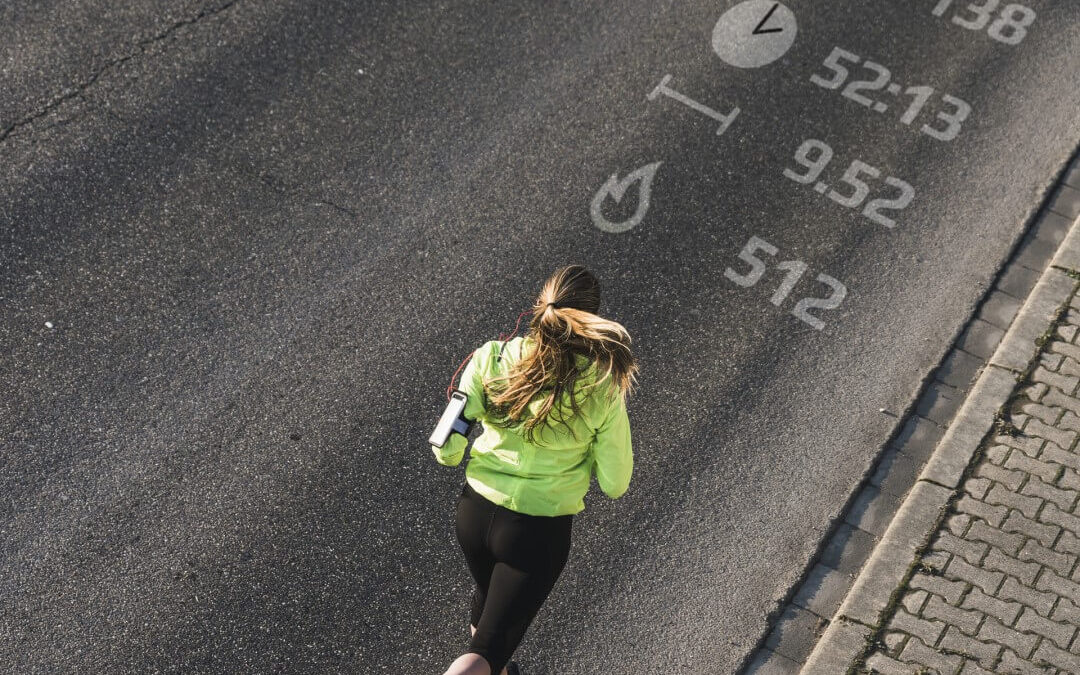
(754, 33)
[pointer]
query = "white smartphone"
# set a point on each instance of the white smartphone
(448, 423)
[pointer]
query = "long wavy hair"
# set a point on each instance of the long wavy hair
(564, 326)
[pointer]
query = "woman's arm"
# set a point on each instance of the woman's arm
(452, 452)
(613, 455)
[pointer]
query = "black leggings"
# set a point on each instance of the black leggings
(515, 559)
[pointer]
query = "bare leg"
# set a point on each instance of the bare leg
(471, 664)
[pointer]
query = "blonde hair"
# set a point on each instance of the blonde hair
(564, 325)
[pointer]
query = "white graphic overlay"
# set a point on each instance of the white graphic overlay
(616, 188)
(754, 33)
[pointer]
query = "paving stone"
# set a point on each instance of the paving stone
(1072, 176)
(940, 402)
(999, 309)
(997, 454)
(1018, 419)
(972, 551)
(1043, 413)
(918, 438)
(913, 600)
(1029, 445)
(1065, 499)
(1008, 542)
(1062, 437)
(958, 523)
(950, 590)
(1069, 366)
(964, 437)
(872, 510)
(1018, 461)
(1003, 610)
(1012, 590)
(823, 590)
(917, 652)
(1061, 633)
(1035, 391)
(985, 652)
(1052, 514)
(1035, 253)
(842, 643)
(848, 549)
(1051, 361)
(1012, 665)
(1055, 397)
(795, 634)
(891, 560)
(995, 515)
(1052, 453)
(1065, 383)
(1045, 533)
(936, 560)
(987, 580)
(1052, 227)
(1067, 612)
(993, 630)
(1064, 349)
(1067, 333)
(1049, 581)
(1069, 421)
(967, 620)
(999, 496)
(926, 630)
(981, 338)
(1062, 563)
(895, 473)
(1066, 202)
(879, 663)
(977, 487)
(1070, 480)
(972, 668)
(1057, 657)
(1024, 571)
(1010, 479)
(959, 369)
(1018, 281)
(768, 662)
(1068, 543)
(894, 642)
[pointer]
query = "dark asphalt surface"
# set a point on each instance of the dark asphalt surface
(265, 234)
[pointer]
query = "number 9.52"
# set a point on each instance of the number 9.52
(815, 155)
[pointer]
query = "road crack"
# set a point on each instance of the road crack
(77, 91)
(300, 194)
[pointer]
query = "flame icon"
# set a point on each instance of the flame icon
(616, 188)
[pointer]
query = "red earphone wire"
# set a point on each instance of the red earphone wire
(450, 388)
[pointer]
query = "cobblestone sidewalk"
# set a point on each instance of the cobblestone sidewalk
(959, 552)
(998, 589)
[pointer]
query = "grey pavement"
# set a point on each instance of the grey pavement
(243, 245)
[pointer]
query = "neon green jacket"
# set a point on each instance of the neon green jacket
(551, 477)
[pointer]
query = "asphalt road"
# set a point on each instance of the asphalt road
(263, 235)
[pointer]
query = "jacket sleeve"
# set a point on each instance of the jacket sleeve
(613, 456)
(452, 452)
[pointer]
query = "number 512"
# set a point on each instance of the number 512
(793, 271)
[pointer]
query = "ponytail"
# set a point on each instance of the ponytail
(564, 328)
